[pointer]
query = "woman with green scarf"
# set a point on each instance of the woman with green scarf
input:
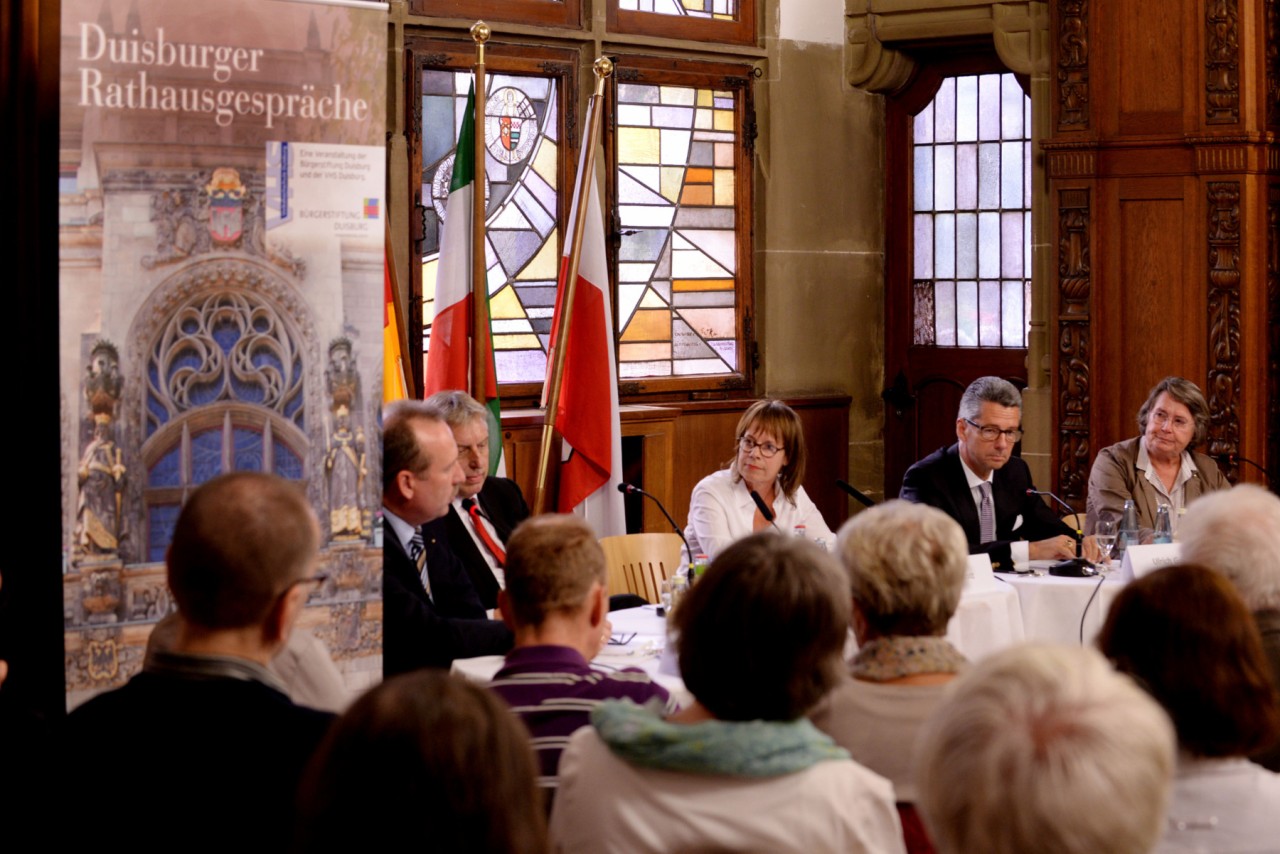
(759, 638)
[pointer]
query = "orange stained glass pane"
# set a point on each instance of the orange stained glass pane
(703, 284)
(649, 325)
(699, 176)
(697, 194)
(644, 352)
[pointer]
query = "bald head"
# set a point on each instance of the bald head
(241, 541)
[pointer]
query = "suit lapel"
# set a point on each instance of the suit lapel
(966, 512)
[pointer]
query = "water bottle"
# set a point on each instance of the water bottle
(1128, 534)
(1164, 525)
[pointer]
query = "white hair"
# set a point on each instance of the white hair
(1047, 749)
(988, 390)
(906, 564)
(1237, 532)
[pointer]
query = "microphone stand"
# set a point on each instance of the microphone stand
(629, 489)
(1078, 566)
(765, 510)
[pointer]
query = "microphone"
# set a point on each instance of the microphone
(631, 489)
(1076, 567)
(765, 510)
(854, 493)
(1226, 460)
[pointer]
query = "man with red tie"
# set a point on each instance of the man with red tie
(486, 509)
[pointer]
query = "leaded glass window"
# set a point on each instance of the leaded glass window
(972, 214)
(677, 207)
(563, 13)
(721, 9)
(522, 190)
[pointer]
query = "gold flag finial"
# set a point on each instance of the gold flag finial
(603, 67)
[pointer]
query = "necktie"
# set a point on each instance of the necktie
(986, 515)
(473, 510)
(418, 554)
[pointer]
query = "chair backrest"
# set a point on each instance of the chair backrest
(639, 563)
(1074, 521)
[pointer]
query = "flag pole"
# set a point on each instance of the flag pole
(602, 67)
(479, 279)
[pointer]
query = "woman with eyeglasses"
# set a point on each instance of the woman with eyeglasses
(1157, 466)
(769, 460)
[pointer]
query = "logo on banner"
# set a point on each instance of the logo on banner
(226, 205)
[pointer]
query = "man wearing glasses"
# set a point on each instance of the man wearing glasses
(980, 484)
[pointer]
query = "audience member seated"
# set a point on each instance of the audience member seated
(769, 459)
(1237, 533)
(485, 509)
(1045, 749)
(555, 604)
(431, 613)
(1158, 466)
(424, 762)
(203, 749)
(1185, 635)
(906, 565)
(759, 638)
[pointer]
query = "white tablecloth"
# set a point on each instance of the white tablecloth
(988, 619)
(647, 651)
(1052, 606)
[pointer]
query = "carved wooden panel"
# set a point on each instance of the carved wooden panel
(1271, 60)
(1074, 271)
(1221, 62)
(1073, 65)
(1223, 389)
(1273, 326)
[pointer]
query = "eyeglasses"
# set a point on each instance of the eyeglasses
(767, 449)
(1161, 418)
(990, 432)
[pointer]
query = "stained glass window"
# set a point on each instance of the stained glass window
(677, 262)
(522, 190)
(564, 13)
(722, 9)
(972, 220)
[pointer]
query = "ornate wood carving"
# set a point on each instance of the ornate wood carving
(1073, 65)
(1273, 327)
(1222, 62)
(1073, 344)
(1271, 46)
(1224, 319)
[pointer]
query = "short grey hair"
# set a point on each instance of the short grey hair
(906, 564)
(1032, 741)
(1189, 395)
(988, 390)
(1237, 533)
(455, 408)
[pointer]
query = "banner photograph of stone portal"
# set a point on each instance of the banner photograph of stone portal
(221, 231)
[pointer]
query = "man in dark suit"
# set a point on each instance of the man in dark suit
(431, 614)
(486, 509)
(980, 484)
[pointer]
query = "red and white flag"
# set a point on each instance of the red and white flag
(587, 414)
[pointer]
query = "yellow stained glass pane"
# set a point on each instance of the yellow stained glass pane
(638, 145)
(702, 284)
(649, 325)
(546, 264)
(505, 305)
(724, 120)
(644, 352)
(544, 162)
(704, 97)
(516, 342)
(724, 186)
(672, 178)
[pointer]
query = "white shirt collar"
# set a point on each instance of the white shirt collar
(403, 530)
(970, 477)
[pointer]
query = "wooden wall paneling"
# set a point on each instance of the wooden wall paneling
(1150, 80)
(1272, 459)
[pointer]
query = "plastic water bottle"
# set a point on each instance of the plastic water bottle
(1128, 527)
(1164, 525)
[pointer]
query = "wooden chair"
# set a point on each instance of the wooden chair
(639, 563)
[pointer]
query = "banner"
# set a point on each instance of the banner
(222, 201)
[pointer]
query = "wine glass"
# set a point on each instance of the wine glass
(1105, 533)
